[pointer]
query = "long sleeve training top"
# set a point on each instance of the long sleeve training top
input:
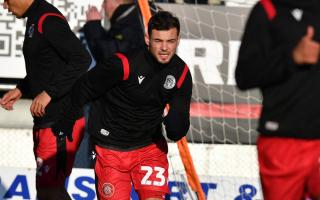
(290, 92)
(54, 58)
(130, 93)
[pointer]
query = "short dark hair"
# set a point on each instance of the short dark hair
(163, 20)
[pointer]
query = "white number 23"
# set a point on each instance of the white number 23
(145, 180)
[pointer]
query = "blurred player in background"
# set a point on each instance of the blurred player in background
(132, 91)
(125, 33)
(54, 59)
(279, 55)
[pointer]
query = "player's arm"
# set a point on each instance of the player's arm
(77, 60)
(177, 121)
(97, 81)
(262, 61)
(89, 87)
(23, 85)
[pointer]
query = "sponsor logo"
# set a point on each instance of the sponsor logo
(140, 79)
(104, 132)
(81, 186)
(108, 190)
(31, 31)
(272, 126)
(170, 82)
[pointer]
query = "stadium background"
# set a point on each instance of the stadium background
(223, 120)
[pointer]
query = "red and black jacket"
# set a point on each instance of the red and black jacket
(290, 92)
(54, 58)
(130, 94)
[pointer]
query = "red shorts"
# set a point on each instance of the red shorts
(146, 168)
(52, 167)
(289, 168)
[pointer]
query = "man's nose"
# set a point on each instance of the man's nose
(164, 46)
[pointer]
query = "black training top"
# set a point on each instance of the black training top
(54, 58)
(130, 94)
(290, 92)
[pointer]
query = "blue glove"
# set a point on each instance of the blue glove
(62, 129)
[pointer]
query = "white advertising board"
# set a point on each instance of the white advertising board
(19, 183)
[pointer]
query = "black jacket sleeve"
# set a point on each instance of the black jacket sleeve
(177, 121)
(262, 62)
(68, 47)
(95, 83)
(23, 86)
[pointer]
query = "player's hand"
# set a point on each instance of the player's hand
(93, 14)
(63, 128)
(9, 98)
(307, 51)
(39, 104)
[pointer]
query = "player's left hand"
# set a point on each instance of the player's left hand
(63, 128)
(39, 104)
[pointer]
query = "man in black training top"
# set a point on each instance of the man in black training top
(279, 54)
(132, 91)
(54, 59)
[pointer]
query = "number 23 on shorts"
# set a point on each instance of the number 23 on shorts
(153, 176)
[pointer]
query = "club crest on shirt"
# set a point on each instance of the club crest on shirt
(104, 132)
(31, 31)
(170, 82)
(108, 190)
(297, 14)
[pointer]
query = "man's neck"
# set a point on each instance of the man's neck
(26, 5)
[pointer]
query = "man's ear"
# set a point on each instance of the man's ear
(146, 39)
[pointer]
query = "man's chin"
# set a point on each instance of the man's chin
(163, 61)
(14, 14)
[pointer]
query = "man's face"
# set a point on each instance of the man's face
(16, 7)
(163, 44)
